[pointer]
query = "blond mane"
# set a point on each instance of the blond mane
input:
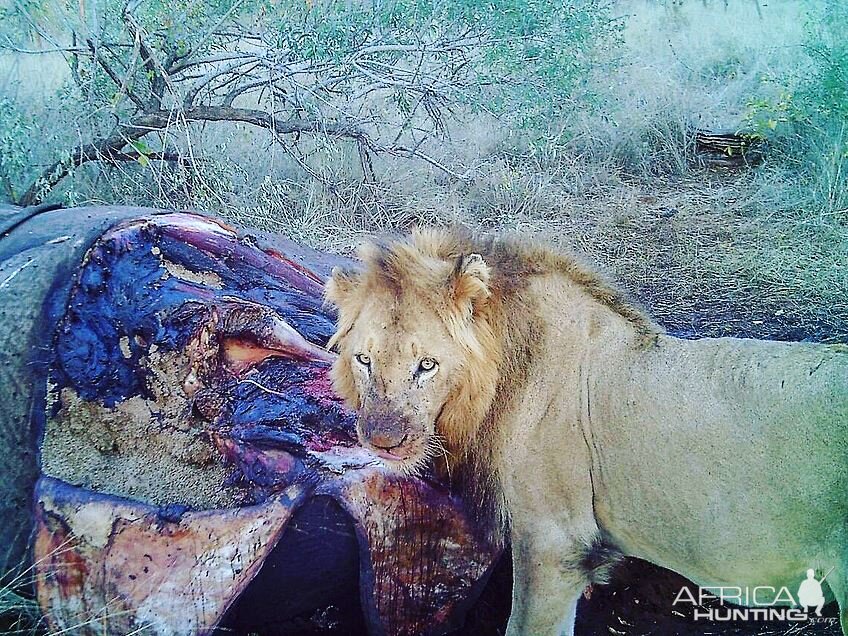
(411, 262)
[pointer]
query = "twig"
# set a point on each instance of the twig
(204, 38)
(120, 83)
(212, 59)
(192, 93)
(159, 75)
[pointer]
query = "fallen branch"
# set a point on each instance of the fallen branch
(298, 92)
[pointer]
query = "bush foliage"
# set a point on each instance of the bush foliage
(390, 76)
(805, 113)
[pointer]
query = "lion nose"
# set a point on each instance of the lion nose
(386, 441)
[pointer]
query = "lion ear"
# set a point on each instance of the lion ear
(470, 282)
(340, 286)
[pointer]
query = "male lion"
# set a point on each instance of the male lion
(566, 413)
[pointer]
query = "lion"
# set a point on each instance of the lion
(580, 430)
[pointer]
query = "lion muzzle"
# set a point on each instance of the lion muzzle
(384, 429)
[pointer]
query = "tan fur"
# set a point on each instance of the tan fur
(561, 406)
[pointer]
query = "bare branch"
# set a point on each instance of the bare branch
(157, 72)
(212, 75)
(135, 155)
(211, 59)
(78, 156)
(111, 148)
(453, 46)
(402, 151)
(116, 79)
(211, 32)
(242, 89)
(11, 46)
(22, 9)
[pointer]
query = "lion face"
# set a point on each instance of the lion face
(411, 341)
(402, 366)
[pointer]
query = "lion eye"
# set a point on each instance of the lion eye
(427, 364)
(363, 359)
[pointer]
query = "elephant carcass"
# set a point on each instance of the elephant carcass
(187, 415)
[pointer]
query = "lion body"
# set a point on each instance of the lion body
(725, 459)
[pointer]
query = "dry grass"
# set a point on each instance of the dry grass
(703, 252)
(19, 610)
(18, 614)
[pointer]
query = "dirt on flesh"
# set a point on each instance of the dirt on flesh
(153, 449)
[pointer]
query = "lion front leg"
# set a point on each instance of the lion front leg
(547, 583)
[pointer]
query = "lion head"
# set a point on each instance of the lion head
(418, 358)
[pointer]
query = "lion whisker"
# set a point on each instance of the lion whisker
(436, 446)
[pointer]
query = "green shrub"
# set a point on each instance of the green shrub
(398, 73)
(805, 114)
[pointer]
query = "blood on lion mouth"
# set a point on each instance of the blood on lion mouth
(396, 456)
(386, 454)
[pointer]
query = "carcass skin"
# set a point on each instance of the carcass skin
(40, 248)
(183, 413)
